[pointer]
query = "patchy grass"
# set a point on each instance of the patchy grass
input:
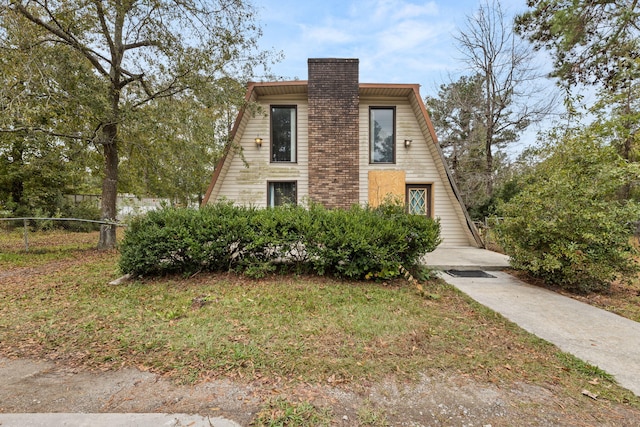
(281, 329)
(44, 247)
(369, 415)
(280, 412)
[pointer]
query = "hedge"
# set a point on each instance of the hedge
(356, 243)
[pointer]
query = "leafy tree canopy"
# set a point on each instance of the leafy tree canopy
(136, 53)
(592, 42)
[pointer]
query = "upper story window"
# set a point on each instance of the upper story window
(283, 133)
(382, 135)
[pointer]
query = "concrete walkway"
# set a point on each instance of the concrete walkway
(465, 258)
(111, 420)
(596, 336)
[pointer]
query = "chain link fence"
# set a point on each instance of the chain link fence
(25, 221)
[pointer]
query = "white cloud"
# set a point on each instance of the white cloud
(396, 10)
(325, 35)
(395, 40)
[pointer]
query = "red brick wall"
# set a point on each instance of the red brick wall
(333, 132)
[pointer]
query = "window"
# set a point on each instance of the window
(283, 133)
(281, 193)
(382, 134)
(418, 199)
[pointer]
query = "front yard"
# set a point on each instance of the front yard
(283, 332)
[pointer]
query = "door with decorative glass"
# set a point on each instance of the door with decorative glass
(418, 199)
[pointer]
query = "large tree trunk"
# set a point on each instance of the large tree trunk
(109, 186)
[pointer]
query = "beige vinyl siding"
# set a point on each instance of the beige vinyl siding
(248, 185)
(418, 163)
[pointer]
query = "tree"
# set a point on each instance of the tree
(510, 100)
(172, 146)
(567, 225)
(457, 114)
(595, 44)
(40, 88)
(141, 51)
(592, 42)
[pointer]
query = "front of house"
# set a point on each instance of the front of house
(338, 142)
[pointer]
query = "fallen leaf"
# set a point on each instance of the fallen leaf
(589, 394)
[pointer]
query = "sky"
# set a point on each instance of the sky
(396, 41)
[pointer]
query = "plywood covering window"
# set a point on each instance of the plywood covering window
(382, 135)
(281, 193)
(418, 199)
(283, 133)
(386, 185)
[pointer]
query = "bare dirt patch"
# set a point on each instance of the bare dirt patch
(449, 399)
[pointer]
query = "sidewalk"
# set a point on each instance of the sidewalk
(596, 336)
(112, 420)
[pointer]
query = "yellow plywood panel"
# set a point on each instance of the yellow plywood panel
(384, 184)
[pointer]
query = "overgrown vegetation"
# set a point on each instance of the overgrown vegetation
(568, 226)
(356, 243)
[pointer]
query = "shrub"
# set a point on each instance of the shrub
(356, 243)
(568, 226)
(83, 210)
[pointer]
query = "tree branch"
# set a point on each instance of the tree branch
(64, 36)
(45, 131)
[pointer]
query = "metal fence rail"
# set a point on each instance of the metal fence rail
(26, 220)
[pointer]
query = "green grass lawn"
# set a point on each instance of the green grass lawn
(292, 328)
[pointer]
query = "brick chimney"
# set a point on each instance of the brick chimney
(333, 132)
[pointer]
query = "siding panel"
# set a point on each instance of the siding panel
(246, 183)
(418, 163)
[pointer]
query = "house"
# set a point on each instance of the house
(339, 142)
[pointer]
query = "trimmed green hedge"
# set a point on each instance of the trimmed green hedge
(355, 243)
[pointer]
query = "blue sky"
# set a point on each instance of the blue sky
(396, 41)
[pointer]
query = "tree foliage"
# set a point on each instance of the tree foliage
(458, 116)
(568, 226)
(138, 52)
(40, 88)
(594, 42)
(597, 44)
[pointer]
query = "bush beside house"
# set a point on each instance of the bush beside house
(356, 243)
(568, 225)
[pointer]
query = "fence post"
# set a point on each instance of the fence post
(26, 236)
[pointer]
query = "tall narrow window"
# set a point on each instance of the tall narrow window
(382, 134)
(419, 199)
(281, 193)
(283, 133)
